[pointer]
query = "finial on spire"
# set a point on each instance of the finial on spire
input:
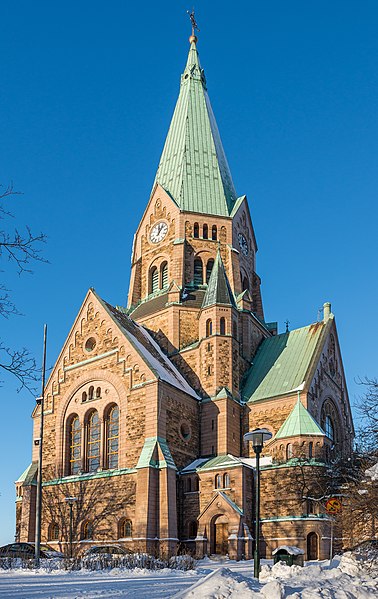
(287, 322)
(193, 37)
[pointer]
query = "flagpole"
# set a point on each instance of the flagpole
(38, 507)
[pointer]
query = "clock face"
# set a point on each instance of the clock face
(158, 232)
(243, 244)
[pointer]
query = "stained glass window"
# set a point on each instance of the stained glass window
(75, 446)
(113, 434)
(93, 443)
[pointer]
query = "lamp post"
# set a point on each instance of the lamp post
(258, 438)
(70, 501)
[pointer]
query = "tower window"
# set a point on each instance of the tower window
(198, 271)
(164, 275)
(222, 326)
(310, 449)
(209, 327)
(91, 392)
(218, 481)
(226, 481)
(209, 268)
(289, 451)
(98, 392)
(214, 232)
(154, 280)
(205, 233)
(196, 230)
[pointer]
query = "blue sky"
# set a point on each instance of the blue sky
(87, 93)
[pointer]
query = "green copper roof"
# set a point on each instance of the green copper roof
(150, 454)
(299, 422)
(28, 477)
(282, 362)
(218, 289)
(193, 167)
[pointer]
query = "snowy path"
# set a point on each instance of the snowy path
(93, 585)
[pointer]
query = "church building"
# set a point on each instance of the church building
(147, 404)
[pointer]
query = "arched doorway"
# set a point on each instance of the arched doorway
(312, 546)
(219, 535)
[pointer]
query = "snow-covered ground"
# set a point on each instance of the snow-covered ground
(347, 578)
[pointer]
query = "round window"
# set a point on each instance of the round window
(185, 431)
(90, 344)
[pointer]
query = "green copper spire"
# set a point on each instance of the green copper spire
(218, 289)
(299, 422)
(193, 167)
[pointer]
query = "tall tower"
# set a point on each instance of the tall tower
(194, 246)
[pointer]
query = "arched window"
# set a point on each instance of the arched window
(209, 327)
(198, 272)
(75, 446)
(188, 485)
(209, 268)
(125, 529)
(98, 392)
(222, 326)
(289, 451)
(112, 437)
(310, 449)
(214, 232)
(226, 481)
(205, 234)
(311, 506)
(218, 481)
(90, 392)
(196, 230)
(93, 442)
(53, 532)
(154, 279)
(87, 530)
(329, 428)
(192, 529)
(84, 396)
(164, 275)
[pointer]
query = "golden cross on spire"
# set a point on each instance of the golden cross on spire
(193, 22)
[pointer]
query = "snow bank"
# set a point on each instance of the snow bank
(344, 579)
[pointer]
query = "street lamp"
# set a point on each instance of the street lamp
(70, 501)
(258, 438)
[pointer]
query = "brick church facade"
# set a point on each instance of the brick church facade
(146, 406)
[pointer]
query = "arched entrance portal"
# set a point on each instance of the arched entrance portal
(312, 546)
(219, 530)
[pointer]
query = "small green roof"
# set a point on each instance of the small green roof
(193, 167)
(220, 461)
(28, 477)
(218, 288)
(282, 363)
(299, 422)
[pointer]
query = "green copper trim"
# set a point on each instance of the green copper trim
(149, 454)
(89, 476)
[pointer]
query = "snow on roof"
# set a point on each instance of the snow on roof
(291, 550)
(166, 370)
(195, 464)
(264, 461)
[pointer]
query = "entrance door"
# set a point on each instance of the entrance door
(312, 546)
(221, 535)
(221, 539)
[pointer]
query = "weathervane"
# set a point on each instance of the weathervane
(287, 322)
(193, 22)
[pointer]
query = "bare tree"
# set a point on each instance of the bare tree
(19, 250)
(367, 407)
(100, 507)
